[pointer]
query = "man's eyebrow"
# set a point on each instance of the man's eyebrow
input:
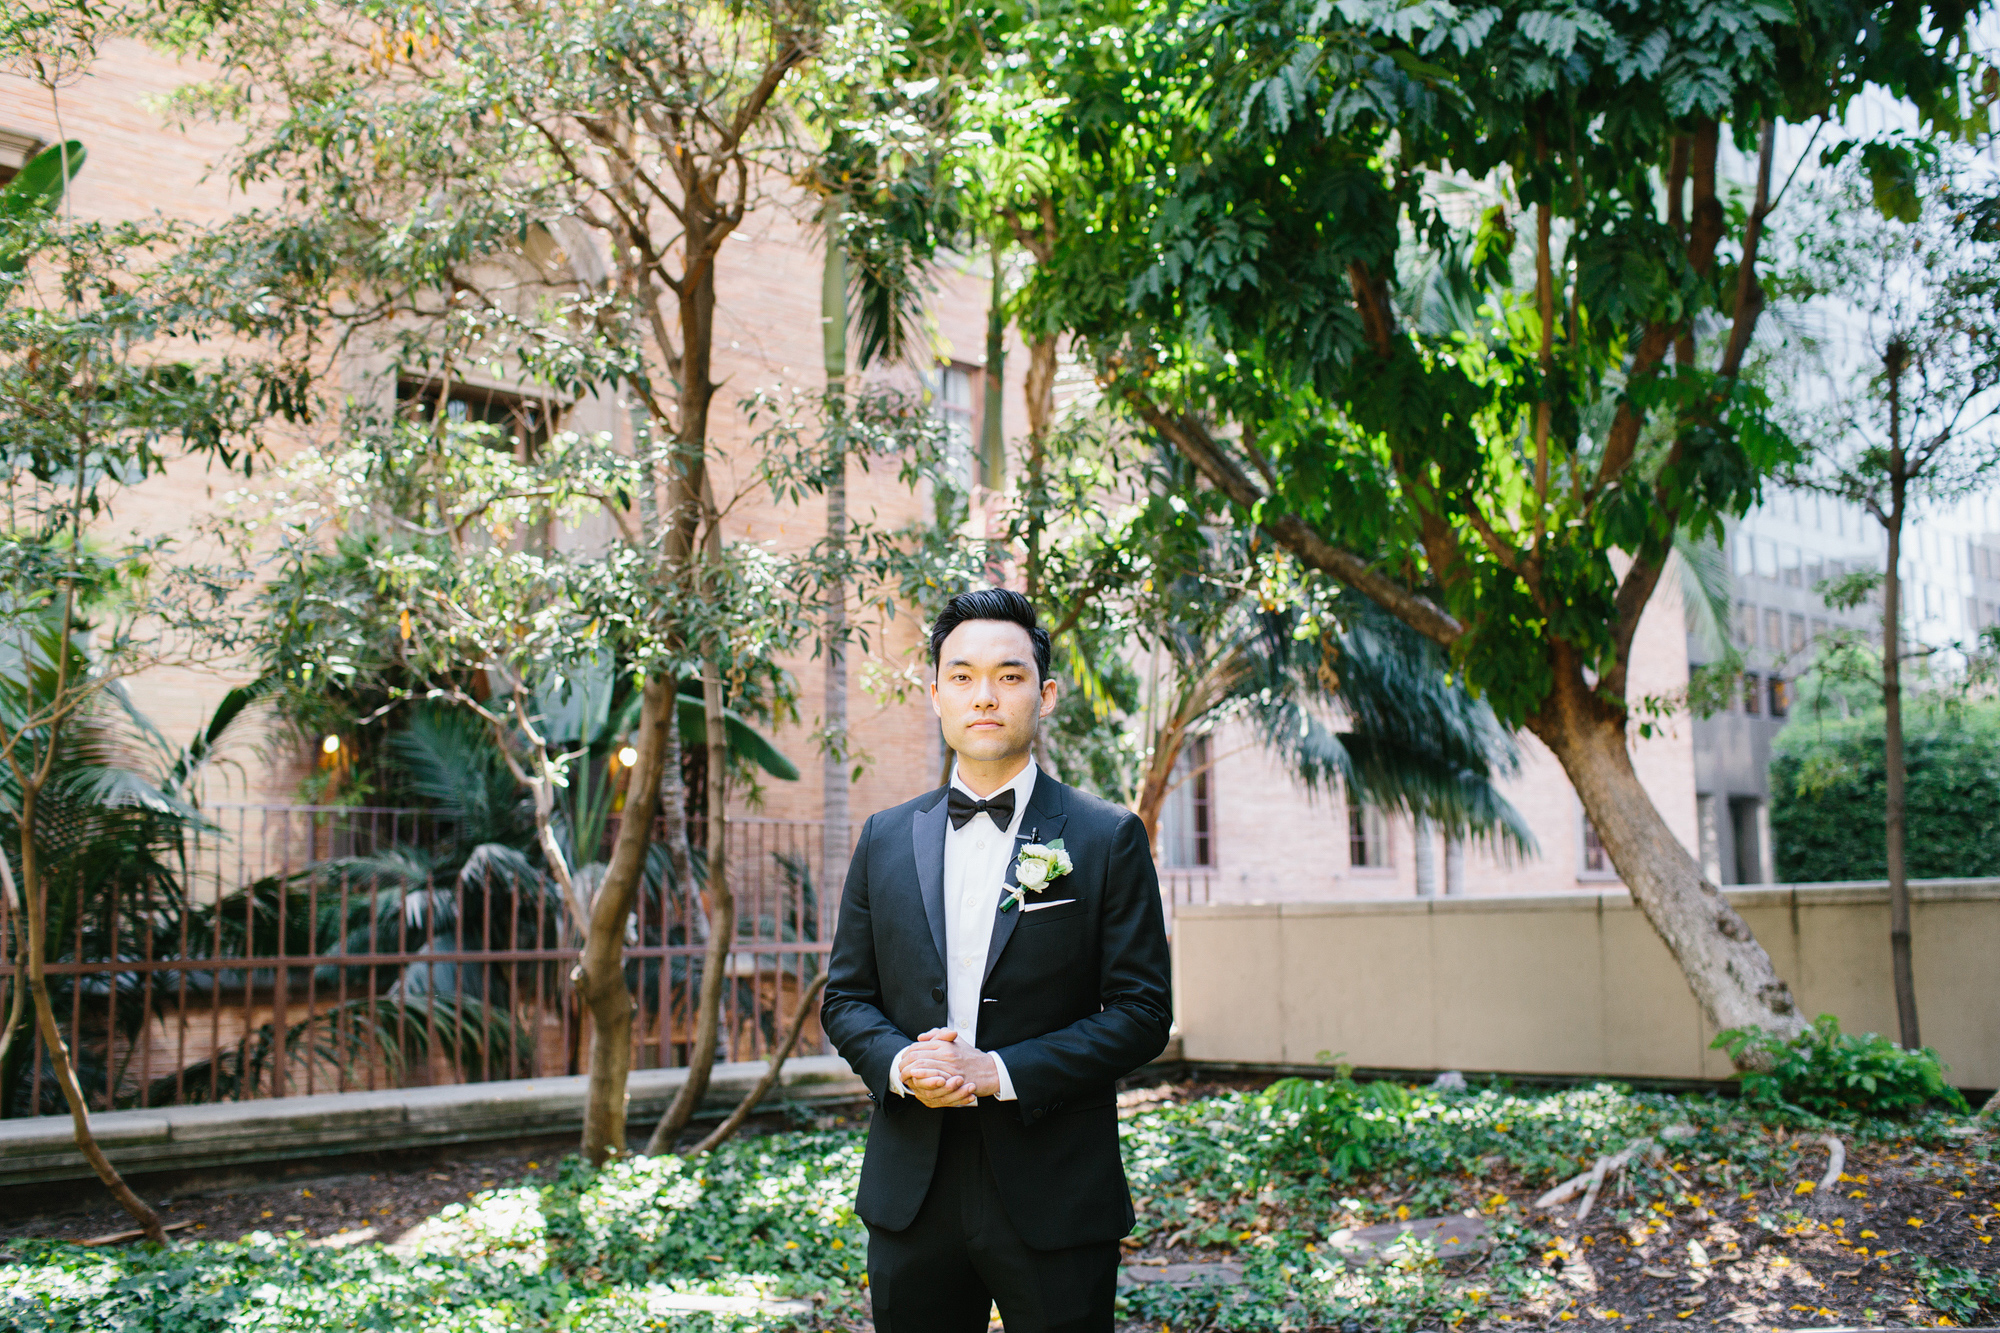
(966, 662)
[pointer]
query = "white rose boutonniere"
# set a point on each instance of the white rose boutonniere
(1034, 869)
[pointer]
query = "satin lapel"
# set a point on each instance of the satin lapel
(927, 831)
(1044, 821)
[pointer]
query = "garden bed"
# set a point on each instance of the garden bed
(1727, 1228)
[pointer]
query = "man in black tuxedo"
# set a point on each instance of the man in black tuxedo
(991, 1000)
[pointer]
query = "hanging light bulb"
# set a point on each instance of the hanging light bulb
(628, 756)
(331, 745)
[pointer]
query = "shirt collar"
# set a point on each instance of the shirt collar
(1023, 787)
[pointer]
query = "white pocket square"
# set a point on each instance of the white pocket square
(1036, 907)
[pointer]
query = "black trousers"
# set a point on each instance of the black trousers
(945, 1271)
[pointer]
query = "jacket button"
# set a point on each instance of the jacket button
(937, 993)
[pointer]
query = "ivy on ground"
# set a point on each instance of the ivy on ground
(1265, 1178)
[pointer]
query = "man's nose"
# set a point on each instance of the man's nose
(983, 695)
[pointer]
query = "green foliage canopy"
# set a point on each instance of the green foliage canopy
(1253, 170)
(1827, 781)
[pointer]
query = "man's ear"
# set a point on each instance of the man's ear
(934, 702)
(1048, 697)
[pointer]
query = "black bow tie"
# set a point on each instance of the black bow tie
(999, 807)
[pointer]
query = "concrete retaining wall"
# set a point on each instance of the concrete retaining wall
(238, 1133)
(1570, 984)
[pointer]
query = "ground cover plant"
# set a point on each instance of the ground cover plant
(1251, 1183)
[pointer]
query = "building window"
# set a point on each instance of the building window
(1367, 837)
(1596, 861)
(16, 151)
(519, 422)
(1746, 625)
(1797, 626)
(1711, 844)
(1752, 689)
(1187, 817)
(954, 395)
(1781, 696)
(1774, 631)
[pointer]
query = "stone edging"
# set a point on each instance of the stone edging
(171, 1138)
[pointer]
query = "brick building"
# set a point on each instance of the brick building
(1242, 830)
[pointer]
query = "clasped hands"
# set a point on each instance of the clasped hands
(941, 1071)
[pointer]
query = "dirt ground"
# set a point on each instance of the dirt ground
(1782, 1260)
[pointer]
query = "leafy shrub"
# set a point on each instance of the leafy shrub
(1827, 796)
(1350, 1127)
(1840, 1075)
(1963, 1293)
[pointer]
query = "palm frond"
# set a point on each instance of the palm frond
(1707, 590)
(453, 761)
(474, 1035)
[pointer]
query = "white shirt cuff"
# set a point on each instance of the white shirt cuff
(1006, 1084)
(896, 1074)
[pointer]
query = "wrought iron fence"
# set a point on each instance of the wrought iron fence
(1185, 886)
(325, 949)
(308, 949)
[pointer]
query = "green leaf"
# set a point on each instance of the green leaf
(38, 187)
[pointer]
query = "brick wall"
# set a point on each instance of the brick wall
(768, 338)
(1276, 843)
(1273, 842)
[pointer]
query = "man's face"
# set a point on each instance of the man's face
(987, 695)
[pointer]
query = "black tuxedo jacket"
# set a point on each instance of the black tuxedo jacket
(1075, 998)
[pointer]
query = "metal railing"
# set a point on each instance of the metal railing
(1185, 886)
(299, 949)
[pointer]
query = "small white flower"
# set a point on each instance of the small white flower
(1032, 874)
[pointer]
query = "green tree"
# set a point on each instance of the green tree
(1251, 176)
(92, 400)
(545, 192)
(1908, 254)
(1179, 621)
(1829, 778)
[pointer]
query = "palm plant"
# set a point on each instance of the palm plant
(113, 833)
(1179, 624)
(478, 886)
(1356, 701)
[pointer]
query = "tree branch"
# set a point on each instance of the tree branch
(1199, 448)
(1750, 292)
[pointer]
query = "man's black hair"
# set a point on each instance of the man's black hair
(992, 604)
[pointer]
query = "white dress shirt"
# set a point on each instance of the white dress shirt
(975, 870)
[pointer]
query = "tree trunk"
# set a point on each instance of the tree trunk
(722, 937)
(993, 379)
(1038, 387)
(674, 830)
(45, 1017)
(1423, 849)
(1729, 972)
(1454, 867)
(1895, 827)
(17, 992)
(721, 1133)
(1158, 782)
(600, 974)
(834, 812)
